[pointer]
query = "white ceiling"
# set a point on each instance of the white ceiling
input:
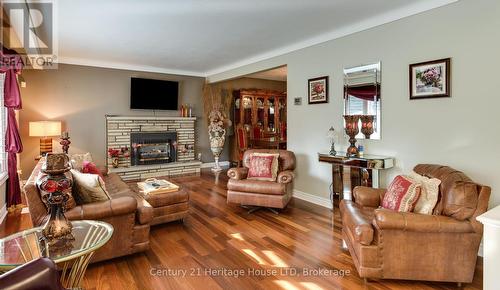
(200, 37)
(275, 74)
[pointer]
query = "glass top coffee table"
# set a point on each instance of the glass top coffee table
(71, 256)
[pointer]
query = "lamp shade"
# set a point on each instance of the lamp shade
(45, 128)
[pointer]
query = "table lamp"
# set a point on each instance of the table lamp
(45, 130)
(332, 137)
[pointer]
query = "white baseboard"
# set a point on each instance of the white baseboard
(480, 252)
(321, 201)
(212, 164)
(3, 213)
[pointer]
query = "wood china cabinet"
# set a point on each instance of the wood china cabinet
(261, 110)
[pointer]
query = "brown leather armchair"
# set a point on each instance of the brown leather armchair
(403, 245)
(258, 193)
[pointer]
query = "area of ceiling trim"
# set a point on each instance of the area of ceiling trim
(335, 34)
(127, 66)
(338, 33)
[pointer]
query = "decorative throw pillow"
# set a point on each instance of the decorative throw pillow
(90, 167)
(44, 195)
(88, 188)
(429, 194)
(402, 194)
(77, 160)
(263, 166)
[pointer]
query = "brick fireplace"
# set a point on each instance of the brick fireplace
(159, 146)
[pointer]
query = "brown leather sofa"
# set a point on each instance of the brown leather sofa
(262, 193)
(396, 245)
(127, 212)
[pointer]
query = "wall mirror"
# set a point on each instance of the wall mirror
(362, 97)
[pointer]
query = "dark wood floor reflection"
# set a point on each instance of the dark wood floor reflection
(220, 246)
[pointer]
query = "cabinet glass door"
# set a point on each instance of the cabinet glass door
(247, 111)
(282, 117)
(237, 111)
(271, 126)
(260, 117)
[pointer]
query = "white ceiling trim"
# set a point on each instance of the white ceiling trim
(338, 33)
(127, 66)
(369, 23)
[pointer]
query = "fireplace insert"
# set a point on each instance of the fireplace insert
(153, 147)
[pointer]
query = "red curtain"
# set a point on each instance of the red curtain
(367, 92)
(12, 65)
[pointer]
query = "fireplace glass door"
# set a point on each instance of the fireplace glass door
(153, 147)
(153, 152)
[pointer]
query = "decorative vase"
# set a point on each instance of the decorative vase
(56, 184)
(115, 162)
(367, 125)
(352, 129)
(217, 136)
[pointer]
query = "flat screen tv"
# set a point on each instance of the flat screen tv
(150, 94)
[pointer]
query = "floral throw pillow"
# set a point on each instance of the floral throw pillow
(263, 166)
(429, 194)
(402, 194)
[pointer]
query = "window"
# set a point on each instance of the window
(3, 127)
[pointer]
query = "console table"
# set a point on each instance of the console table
(349, 172)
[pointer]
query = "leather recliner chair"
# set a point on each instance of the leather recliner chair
(269, 194)
(404, 245)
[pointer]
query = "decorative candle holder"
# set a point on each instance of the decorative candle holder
(65, 142)
(367, 125)
(352, 129)
(56, 184)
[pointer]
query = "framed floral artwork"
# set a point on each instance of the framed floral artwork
(430, 79)
(318, 90)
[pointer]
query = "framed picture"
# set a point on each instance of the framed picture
(318, 90)
(430, 79)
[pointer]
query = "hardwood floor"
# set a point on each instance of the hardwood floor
(220, 246)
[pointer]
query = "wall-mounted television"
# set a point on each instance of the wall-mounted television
(148, 94)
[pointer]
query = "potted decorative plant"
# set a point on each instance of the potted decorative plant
(115, 156)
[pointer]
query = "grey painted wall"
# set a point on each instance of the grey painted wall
(81, 96)
(460, 131)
